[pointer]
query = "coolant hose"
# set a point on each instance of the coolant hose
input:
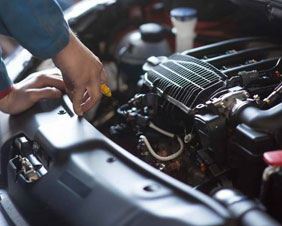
(266, 120)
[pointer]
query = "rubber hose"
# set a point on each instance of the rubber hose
(266, 120)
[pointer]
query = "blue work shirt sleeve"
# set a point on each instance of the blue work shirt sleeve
(38, 25)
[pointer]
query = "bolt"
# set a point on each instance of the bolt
(111, 160)
(151, 188)
(161, 167)
(187, 138)
(62, 112)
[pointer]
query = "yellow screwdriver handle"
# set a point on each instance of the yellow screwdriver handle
(105, 90)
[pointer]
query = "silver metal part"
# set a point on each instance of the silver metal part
(269, 171)
(161, 166)
(28, 170)
(187, 138)
(257, 99)
(226, 102)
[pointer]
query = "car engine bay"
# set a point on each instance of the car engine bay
(205, 115)
(210, 117)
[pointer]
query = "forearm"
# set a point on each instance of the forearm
(38, 25)
(72, 55)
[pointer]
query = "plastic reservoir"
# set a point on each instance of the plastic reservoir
(184, 21)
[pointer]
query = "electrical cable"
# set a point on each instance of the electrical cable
(168, 134)
(161, 158)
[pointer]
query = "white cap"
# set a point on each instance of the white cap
(183, 13)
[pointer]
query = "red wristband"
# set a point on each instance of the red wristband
(5, 92)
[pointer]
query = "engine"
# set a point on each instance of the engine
(207, 116)
(210, 117)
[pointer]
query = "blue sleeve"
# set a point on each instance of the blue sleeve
(38, 25)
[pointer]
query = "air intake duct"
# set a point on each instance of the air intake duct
(264, 120)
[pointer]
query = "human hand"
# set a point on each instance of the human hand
(30, 90)
(83, 74)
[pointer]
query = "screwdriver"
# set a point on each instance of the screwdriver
(105, 90)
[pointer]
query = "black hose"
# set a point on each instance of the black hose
(258, 218)
(247, 212)
(265, 120)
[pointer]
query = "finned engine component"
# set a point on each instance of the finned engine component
(184, 81)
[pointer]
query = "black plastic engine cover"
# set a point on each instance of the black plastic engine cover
(184, 81)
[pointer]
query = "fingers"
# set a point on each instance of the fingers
(103, 76)
(87, 104)
(94, 91)
(94, 96)
(44, 93)
(90, 96)
(82, 100)
(49, 81)
(77, 100)
(85, 96)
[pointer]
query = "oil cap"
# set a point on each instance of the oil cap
(183, 13)
(151, 32)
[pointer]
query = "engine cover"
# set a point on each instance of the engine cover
(185, 81)
(188, 79)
